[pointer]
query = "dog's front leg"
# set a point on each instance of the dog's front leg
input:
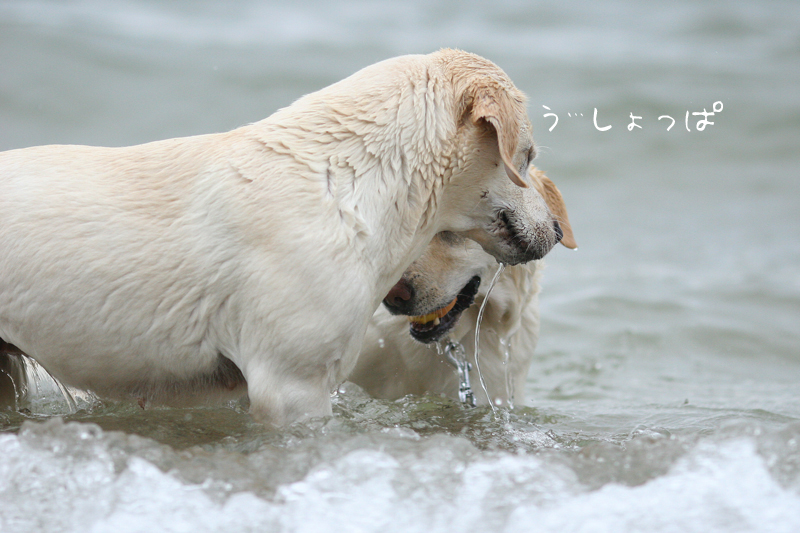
(281, 396)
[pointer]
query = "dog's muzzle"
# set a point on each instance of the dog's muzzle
(523, 246)
(431, 326)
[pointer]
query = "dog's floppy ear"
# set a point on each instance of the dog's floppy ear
(484, 93)
(495, 107)
(554, 201)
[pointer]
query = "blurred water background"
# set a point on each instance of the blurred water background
(664, 393)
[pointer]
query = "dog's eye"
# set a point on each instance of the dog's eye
(448, 237)
(529, 157)
(523, 171)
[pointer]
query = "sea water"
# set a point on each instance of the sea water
(663, 394)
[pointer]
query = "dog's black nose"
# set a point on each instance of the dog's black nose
(559, 231)
(398, 298)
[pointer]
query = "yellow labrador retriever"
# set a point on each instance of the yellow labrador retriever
(437, 294)
(190, 265)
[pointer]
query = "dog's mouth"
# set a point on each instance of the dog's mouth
(433, 326)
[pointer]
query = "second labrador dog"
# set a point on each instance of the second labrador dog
(437, 292)
(194, 264)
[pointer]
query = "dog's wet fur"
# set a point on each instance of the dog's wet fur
(148, 270)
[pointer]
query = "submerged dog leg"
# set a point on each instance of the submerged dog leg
(280, 398)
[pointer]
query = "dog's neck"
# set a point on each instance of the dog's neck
(379, 173)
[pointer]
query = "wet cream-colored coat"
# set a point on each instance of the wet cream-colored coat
(392, 364)
(136, 270)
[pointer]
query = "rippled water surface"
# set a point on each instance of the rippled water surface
(664, 393)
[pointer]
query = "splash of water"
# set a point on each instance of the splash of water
(41, 393)
(478, 335)
(456, 355)
(506, 344)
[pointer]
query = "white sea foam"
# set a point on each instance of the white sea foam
(75, 477)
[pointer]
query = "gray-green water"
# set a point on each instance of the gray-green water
(664, 393)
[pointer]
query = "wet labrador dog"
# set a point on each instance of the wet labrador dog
(196, 265)
(434, 301)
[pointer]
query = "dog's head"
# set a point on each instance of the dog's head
(494, 149)
(440, 285)
(445, 280)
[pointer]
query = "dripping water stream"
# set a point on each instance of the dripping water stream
(500, 269)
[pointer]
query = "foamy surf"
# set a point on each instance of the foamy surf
(57, 476)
